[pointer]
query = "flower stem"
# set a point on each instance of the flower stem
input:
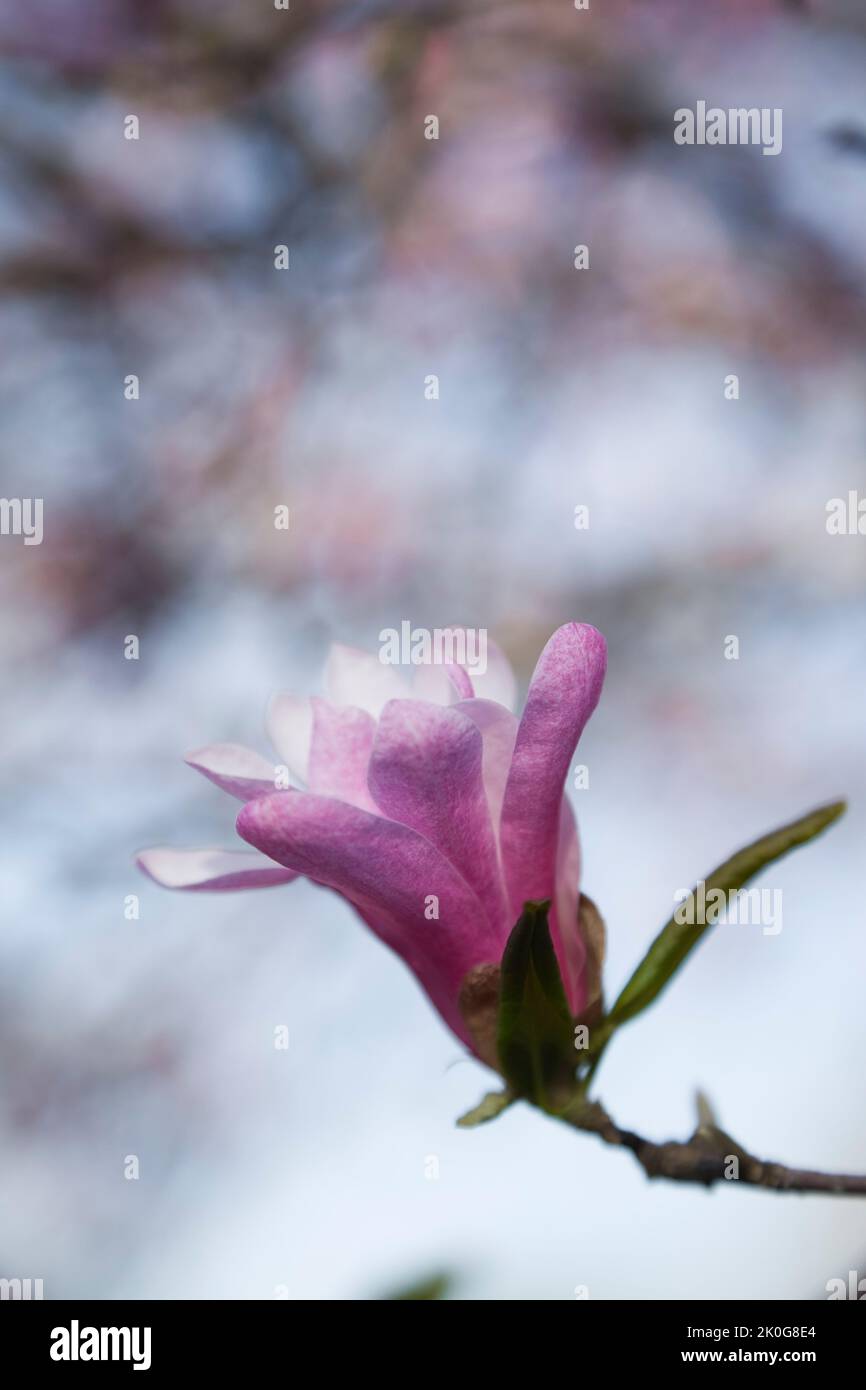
(708, 1157)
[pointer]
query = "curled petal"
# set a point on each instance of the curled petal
(426, 772)
(390, 874)
(562, 695)
(222, 869)
(441, 685)
(238, 770)
(459, 679)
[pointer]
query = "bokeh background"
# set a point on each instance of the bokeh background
(306, 1173)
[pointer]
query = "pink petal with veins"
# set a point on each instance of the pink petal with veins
(426, 772)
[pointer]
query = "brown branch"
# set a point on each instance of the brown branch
(707, 1157)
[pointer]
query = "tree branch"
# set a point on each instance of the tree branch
(707, 1157)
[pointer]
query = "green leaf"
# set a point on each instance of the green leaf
(435, 1286)
(488, 1108)
(535, 1029)
(676, 940)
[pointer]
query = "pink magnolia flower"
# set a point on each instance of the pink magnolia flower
(415, 795)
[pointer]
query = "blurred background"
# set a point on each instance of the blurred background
(333, 1169)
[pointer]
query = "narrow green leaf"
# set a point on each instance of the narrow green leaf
(534, 1037)
(677, 939)
(487, 1108)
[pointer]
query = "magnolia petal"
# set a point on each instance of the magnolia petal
(390, 874)
(354, 677)
(222, 869)
(498, 727)
(289, 722)
(426, 772)
(238, 770)
(564, 926)
(442, 686)
(562, 695)
(340, 752)
(460, 680)
(498, 682)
